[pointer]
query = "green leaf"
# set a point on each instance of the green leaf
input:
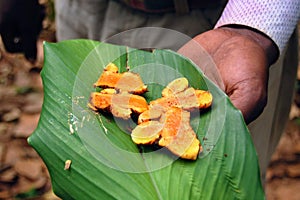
(105, 163)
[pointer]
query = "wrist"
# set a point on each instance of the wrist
(267, 44)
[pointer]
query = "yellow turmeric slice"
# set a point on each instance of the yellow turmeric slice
(176, 86)
(147, 132)
(172, 110)
(172, 130)
(119, 104)
(165, 121)
(174, 120)
(178, 136)
(154, 113)
(186, 100)
(185, 144)
(190, 99)
(123, 82)
(178, 94)
(204, 98)
(112, 68)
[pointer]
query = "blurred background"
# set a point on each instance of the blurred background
(23, 174)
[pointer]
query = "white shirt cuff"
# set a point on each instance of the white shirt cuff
(275, 18)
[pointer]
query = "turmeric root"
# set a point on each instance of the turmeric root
(165, 121)
(119, 93)
(172, 111)
(123, 82)
(178, 94)
(154, 113)
(204, 98)
(178, 136)
(119, 104)
(176, 86)
(172, 130)
(147, 132)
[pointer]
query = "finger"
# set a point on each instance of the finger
(250, 98)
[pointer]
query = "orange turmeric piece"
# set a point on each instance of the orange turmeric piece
(123, 82)
(119, 94)
(171, 130)
(154, 113)
(176, 86)
(178, 136)
(179, 94)
(171, 113)
(147, 132)
(204, 98)
(121, 105)
(164, 121)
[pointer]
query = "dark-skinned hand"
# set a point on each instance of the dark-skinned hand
(242, 57)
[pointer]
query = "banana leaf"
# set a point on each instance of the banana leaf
(104, 163)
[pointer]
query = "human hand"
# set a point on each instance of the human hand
(242, 58)
(20, 25)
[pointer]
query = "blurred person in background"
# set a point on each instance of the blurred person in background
(20, 25)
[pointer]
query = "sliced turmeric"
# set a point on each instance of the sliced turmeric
(119, 104)
(123, 82)
(178, 135)
(178, 94)
(119, 94)
(147, 132)
(165, 121)
(204, 98)
(172, 130)
(175, 86)
(174, 120)
(154, 113)
(172, 111)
